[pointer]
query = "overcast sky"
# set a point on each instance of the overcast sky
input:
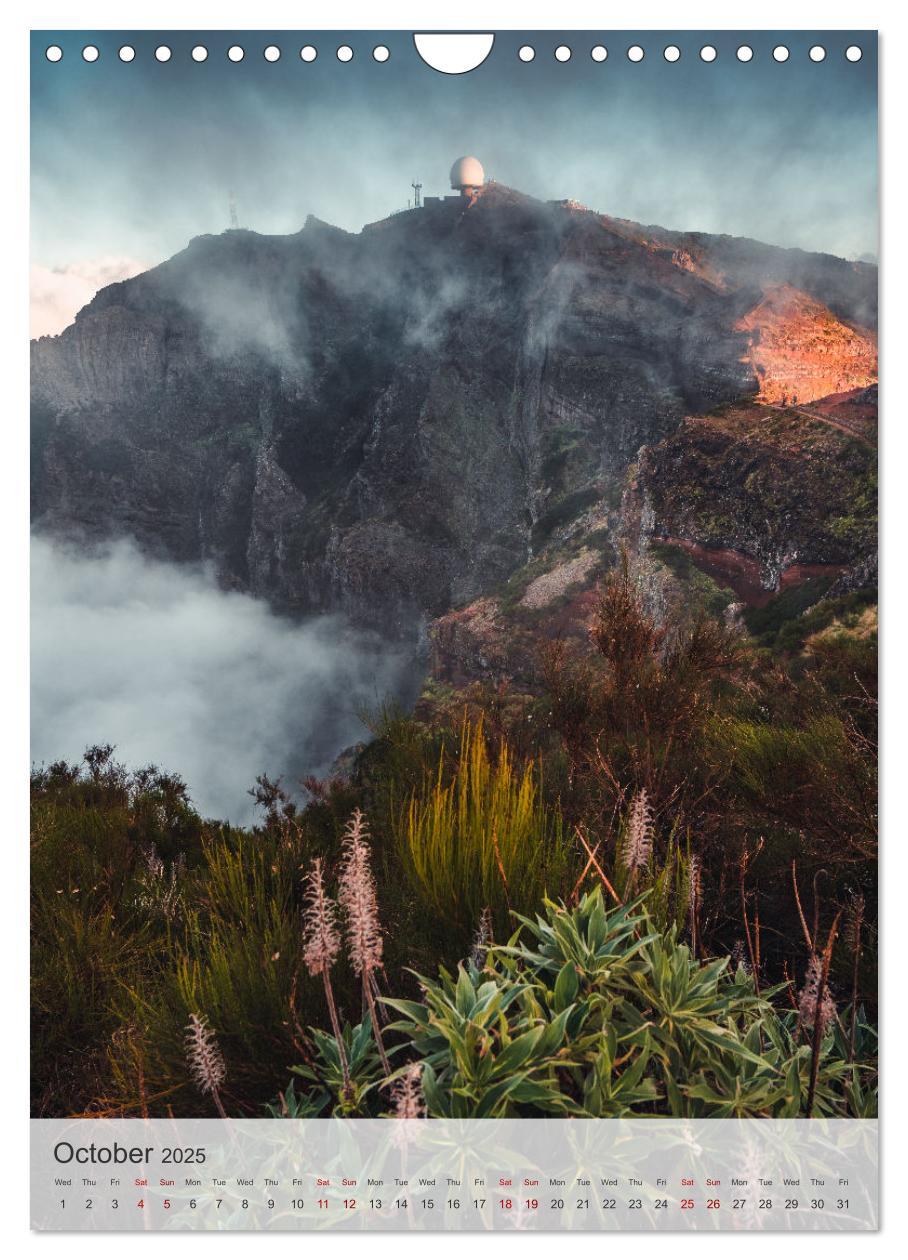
(132, 160)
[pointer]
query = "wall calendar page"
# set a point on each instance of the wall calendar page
(454, 631)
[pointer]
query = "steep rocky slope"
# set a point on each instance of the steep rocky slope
(735, 511)
(393, 423)
(762, 496)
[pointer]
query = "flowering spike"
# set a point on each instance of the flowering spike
(739, 959)
(694, 882)
(357, 895)
(364, 937)
(855, 922)
(206, 1063)
(482, 940)
(810, 1004)
(638, 844)
(322, 940)
(409, 1103)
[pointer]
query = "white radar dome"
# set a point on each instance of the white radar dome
(467, 172)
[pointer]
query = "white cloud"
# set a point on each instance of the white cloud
(208, 684)
(58, 293)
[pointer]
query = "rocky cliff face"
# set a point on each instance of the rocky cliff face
(392, 423)
(746, 507)
(800, 352)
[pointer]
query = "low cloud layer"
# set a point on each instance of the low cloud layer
(57, 294)
(155, 659)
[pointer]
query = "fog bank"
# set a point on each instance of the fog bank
(211, 685)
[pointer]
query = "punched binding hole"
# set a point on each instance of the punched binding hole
(599, 53)
(381, 53)
(162, 53)
(708, 53)
(745, 53)
(90, 53)
(817, 53)
(199, 53)
(345, 53)
(126, 53)
(780, 53)
(453, 53)
(635, 53)
(272, 53)
(672, 53)
(562, 53)
(308, 53)
(526, 53)
(853, 53)
(54, 53)
(236, 53)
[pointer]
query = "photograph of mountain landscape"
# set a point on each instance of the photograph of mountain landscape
(454, 576)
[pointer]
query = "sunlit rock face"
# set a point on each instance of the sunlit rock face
(800, 352)
(390, 423)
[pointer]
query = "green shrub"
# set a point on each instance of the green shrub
(594, 1012)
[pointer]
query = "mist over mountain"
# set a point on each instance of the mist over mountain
(391, 422)
(156, 659)
(443, 430)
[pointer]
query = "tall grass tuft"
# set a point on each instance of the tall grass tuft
(478, 835)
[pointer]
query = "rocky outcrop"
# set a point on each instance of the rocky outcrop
(763, 498)
(391, 423)
(800, 352)
(493, 642)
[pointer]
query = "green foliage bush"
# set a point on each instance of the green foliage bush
(595, 1012)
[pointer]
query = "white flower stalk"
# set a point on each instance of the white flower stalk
(855, 924)
(357, 895)
(694, 875)
(409, 1103)
(153, 863)
(638, 843)
(360, 903)
(694, 884)
(811, 1004)
(159, 891)
(482, 940)
(739, 958)
(321, 948)
(320, 924)
(206, 1063)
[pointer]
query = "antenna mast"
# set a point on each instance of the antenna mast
(417, 194)
(234, 220)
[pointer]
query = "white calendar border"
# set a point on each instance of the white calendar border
(400, 15)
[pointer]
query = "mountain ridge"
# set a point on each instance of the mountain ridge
(390, 423)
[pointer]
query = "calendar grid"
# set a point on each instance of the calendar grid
(449, 1175)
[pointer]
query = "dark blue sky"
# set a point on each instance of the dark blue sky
(134, 159)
